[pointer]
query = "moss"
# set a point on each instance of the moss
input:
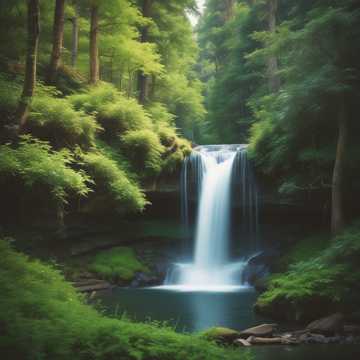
(42, 317)
(319, 279)
(117, 264)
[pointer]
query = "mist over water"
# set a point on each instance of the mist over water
(210, 174)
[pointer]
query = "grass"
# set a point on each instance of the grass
(42, 317)
(117, 264)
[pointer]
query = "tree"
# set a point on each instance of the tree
(272, 65)
(74, 36)
(33, 26)
(337, 203)
(94, 48)
(143, 83)
(58, 35)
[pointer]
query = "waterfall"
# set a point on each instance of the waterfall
(218, 178)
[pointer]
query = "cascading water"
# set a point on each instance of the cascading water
(216, 176)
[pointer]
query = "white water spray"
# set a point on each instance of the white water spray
(213, 170)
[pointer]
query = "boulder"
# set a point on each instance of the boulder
(221, 335)
(264, 330)
(330, 325)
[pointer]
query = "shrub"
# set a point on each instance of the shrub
(42, 317)
(34, 162)
(113, 181)
(117, 264)
(56, 120)
(143, 147)
(10, 90)
(326, 280)
(116, 113)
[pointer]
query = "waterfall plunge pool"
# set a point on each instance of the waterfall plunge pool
(192, 311)
(185, 310)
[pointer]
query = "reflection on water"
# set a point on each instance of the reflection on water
(307, 352)
(187, 311)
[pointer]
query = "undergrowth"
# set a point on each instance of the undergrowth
(42, 317)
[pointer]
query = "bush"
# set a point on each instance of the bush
(56, 120)
(34, 163)
(116, 113)
(10, 90)
(42, 317)
(118, 264)
(143, 147)
(114, 182)
(326, 281)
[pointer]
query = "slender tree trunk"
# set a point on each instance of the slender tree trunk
(229, 9)
(33, 11)
(272, 67)
(74, 37)
(94, 50)
(337, 205)
(142, 78)
(58, 36)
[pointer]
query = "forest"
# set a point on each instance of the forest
(177, 176)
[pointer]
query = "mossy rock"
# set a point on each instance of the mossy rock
(221, 335)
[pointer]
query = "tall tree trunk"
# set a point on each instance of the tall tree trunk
(337, 205)
(143, 78)
(229, 9)
(58, 36)
(94, 50)
(33, 11)
(74, 37)
(272, 66)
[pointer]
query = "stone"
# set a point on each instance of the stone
(330, 325)
(221, 335)
(264, 330)
(242, 342)
(255, 340)
(317, 339)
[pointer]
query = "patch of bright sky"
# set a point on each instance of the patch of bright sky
(193, 18)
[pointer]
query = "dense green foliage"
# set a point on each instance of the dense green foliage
(34, 163)
(43, 317)
(112, 183)
(319, 279)
(116, 265)
(293, 129)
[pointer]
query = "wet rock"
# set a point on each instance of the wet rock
(264, 330)
(145, 279)
(330, 325)
(221, 335)
(255, 340)
(257, 269)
